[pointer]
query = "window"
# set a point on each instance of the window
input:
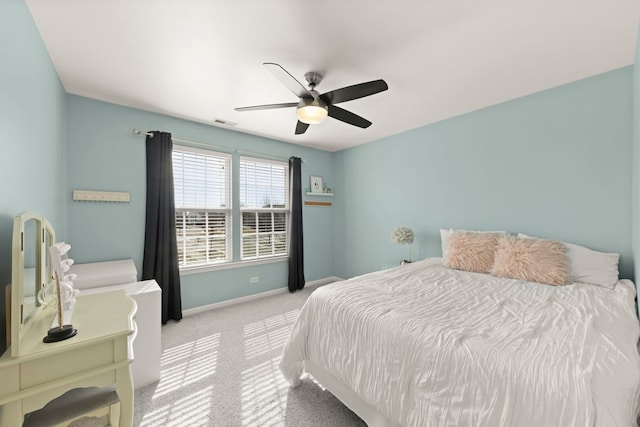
(264, 207)
(202, 186)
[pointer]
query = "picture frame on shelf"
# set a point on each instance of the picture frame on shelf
(315, 184)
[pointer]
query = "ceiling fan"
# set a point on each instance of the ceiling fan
(313, 108)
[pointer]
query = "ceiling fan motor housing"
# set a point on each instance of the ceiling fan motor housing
(313, 78)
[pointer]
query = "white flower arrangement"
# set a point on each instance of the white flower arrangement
(403, 236)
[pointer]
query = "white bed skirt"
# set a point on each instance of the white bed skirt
(366, 412)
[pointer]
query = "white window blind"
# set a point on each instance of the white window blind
(202, 191)
(264, 203)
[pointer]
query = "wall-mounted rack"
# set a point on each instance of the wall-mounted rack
(101, 196)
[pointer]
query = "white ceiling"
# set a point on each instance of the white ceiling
(198, 59)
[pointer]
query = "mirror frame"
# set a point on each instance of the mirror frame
(44, 233)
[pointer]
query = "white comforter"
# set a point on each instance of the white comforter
(429, 346)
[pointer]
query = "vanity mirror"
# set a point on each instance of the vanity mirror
(30, 270)
(30, 239)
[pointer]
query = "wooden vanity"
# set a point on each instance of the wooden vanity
(99, 355)
(32, 373)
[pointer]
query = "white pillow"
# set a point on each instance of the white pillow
(588, 266)
(444, 239)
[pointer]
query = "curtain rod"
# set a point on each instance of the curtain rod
(208, 145)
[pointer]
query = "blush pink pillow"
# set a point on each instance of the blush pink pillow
(471, 251)
(533, 260)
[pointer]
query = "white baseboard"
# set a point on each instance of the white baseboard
(196, 310)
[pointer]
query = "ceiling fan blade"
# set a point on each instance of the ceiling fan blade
(348, 117)
(267, 106)
(354, 92)
(301, 128)
(288, 80)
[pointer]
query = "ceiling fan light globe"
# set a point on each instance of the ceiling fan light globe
(312, 112)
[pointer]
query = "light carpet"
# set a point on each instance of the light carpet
(220, 368)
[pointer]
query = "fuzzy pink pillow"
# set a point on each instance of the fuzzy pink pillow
(471, 251)
(533, 260)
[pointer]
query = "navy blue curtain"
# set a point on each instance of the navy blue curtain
(160, 260)
(296, 251)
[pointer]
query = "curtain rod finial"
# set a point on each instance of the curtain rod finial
(139, 132)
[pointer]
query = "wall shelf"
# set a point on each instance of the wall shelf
(309, 193)
(315, 203)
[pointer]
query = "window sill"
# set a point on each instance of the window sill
(233, 264)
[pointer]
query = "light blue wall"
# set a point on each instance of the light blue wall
(31, 132)
(104, 154)
(556, 164)
(636, 162)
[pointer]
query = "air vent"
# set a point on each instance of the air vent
(223, 122)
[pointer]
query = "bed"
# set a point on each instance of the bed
(426, 345)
